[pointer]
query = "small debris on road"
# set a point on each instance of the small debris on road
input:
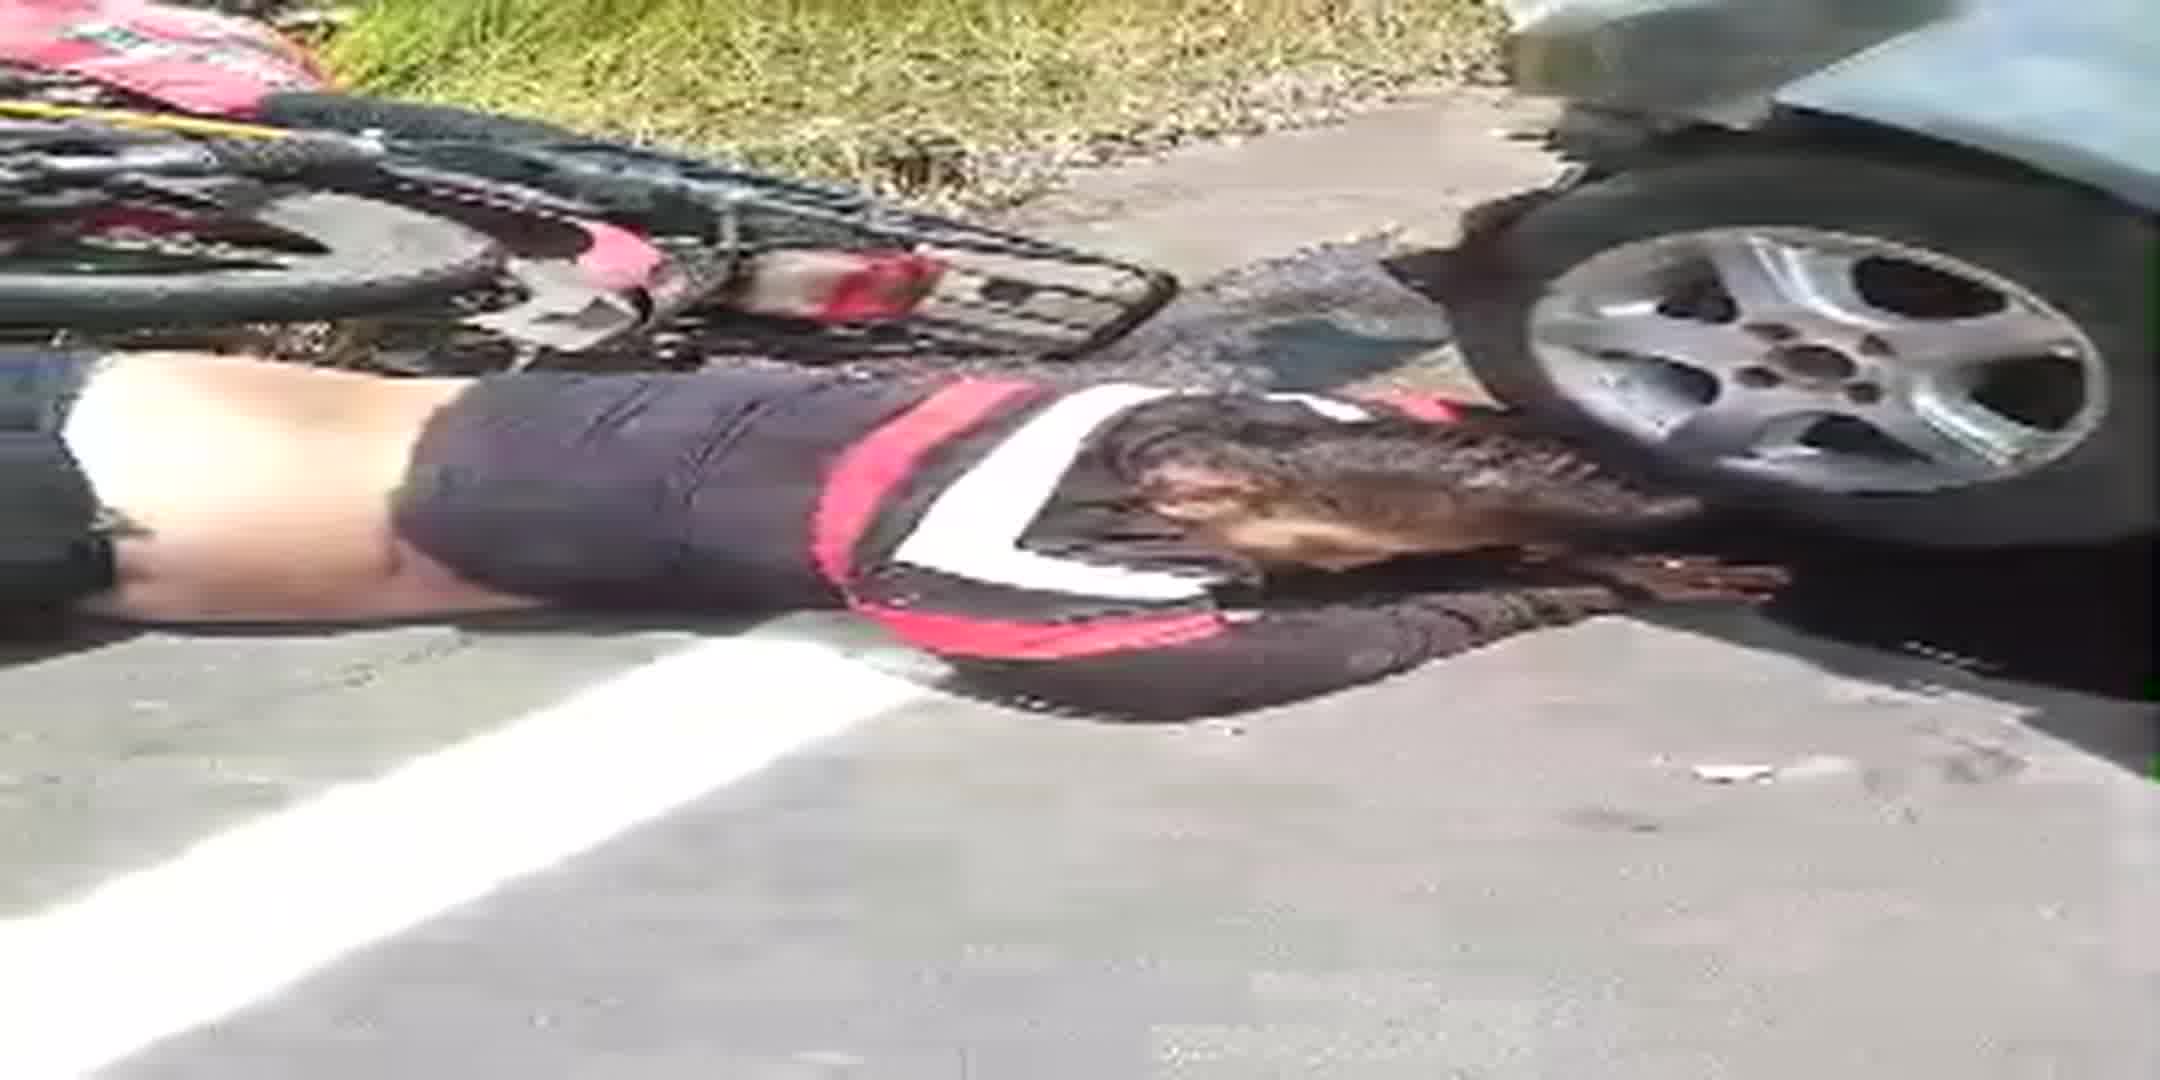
(1818, 767)
(1734, 774)
(1812, 767)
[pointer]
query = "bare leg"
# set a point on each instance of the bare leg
(260, 492)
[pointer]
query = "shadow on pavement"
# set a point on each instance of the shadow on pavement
(88, 636)
(20, 648)
(2052, 629)
(2075, 619)
(2066, 634)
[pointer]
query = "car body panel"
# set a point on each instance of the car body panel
(2069, 87)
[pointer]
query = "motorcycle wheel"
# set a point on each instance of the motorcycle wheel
(297, 256)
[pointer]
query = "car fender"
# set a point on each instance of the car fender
(2069, 87)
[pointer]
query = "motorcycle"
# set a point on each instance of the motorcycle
(164, 170)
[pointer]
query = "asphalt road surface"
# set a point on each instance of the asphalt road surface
(1895, 827)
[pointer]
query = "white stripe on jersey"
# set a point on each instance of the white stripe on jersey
(973, 530)
(1333, 408)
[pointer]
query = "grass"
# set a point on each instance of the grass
(978, 102)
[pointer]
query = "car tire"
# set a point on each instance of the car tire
(2087, 257)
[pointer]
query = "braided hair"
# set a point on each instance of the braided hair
(1395, 474)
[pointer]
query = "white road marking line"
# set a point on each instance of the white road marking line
(253, 910)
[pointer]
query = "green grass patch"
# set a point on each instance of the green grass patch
(975, 101)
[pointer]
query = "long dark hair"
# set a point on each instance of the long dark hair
(1398, 474)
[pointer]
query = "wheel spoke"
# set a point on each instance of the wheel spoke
(1767, 278)
(1734, 425)
(2016, 330)
(1964, 438)
(1639, 329)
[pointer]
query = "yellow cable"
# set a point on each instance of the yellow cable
(186, 125)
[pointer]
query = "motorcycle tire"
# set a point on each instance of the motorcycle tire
(371, 257)
(353, 114)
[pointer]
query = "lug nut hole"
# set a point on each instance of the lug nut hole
(1816, 362)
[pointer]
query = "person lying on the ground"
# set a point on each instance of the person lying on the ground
(1099, 550)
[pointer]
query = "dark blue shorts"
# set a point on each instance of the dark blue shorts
(51, 549)
(644, 491)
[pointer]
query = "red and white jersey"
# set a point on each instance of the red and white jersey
(983, 525)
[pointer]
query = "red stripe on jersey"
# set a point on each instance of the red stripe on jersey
(962, 635)
(866, 474)
(1427, 407)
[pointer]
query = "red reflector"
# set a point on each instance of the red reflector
(883, 286)
(838, 286)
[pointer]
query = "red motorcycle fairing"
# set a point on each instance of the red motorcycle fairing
(185, 59)
(210, 64)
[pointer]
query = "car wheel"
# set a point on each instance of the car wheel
(1896, 351)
